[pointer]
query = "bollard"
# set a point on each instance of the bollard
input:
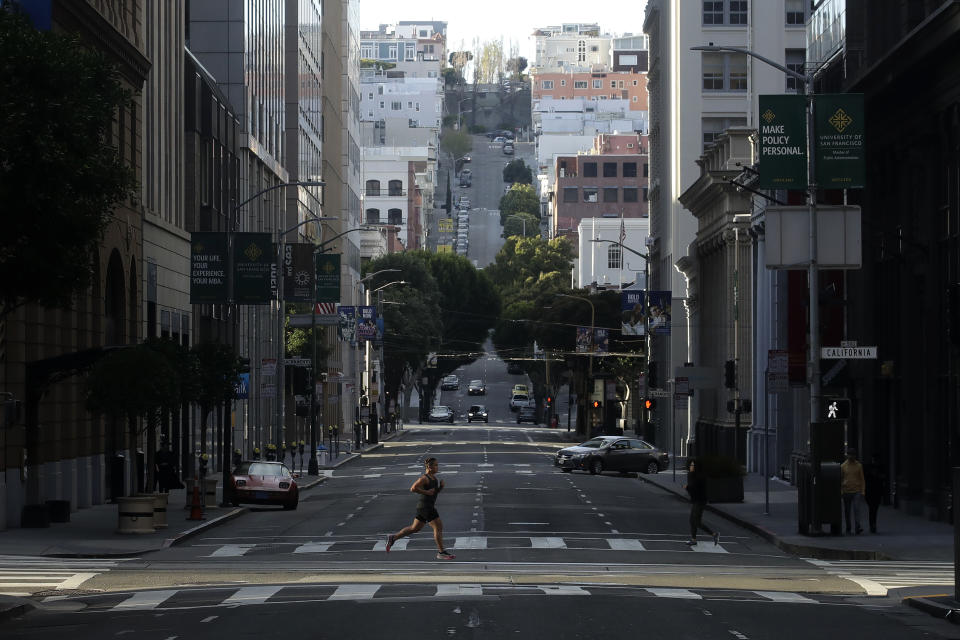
(135, 514)
(160, 510)
(209, 492)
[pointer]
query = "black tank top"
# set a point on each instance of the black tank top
(427, 502)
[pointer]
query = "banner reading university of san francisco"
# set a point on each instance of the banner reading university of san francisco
(208, 268)
(328, 277)
(254, 268)
(839, 141)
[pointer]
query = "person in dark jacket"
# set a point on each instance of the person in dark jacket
(697, 488)
(875, 478)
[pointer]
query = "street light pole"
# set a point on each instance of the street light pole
(813, 278)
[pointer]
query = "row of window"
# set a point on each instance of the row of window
(609, 194)
(728, 71)
(394, 188)
(735, 13)
(370, 52)
(394, 216)
(610, 169)
(582, 84)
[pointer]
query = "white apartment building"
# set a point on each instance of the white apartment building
(694, 97)
(570, 47)
(603, 263)
(419, 101)
(388, 194)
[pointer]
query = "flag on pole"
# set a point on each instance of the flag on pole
(623, 231)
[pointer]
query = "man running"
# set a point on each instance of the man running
(428, 486)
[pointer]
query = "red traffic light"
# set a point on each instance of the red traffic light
(596, 404)
(549, 399)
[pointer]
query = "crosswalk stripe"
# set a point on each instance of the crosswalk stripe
(675, 593)
(253, 595)
(75, 580)
(563, 590)
(459, 590)
(354, 592)
(471, 542)
(398, 545)
(619, 544)
(313, 547)
(230, 550)
(785, 596)
(548, 543)
(707, 547)
(145, 600)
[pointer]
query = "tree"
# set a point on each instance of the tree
(451, 77)
(491, 62)
(60, 177)
(131, 384)
(458, 60)
(520, 199)
(518, 171)
(516, 66)
(456, 143)
(525, 265)
(218, 371)
(521, 224)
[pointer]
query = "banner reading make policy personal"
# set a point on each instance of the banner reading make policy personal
(783, 142)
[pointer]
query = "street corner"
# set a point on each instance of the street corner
(209, 523)
(941, 606)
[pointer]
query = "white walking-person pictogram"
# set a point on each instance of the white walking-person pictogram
(832, 410)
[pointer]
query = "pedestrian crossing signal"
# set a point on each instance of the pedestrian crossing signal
(649, 404)
(837, 408)
(596, 404)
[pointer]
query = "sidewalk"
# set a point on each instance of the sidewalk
(91, 532)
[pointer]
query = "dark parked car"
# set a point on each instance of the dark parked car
(449, 383)
(527, 414)
(476, 388)
(477, 412)
(441, 414)
(612, 453)
(263, 483)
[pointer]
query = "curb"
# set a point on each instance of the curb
(189, 533)
(17, 610)
(933, 608)
(820, 553)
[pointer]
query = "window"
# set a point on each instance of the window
(373, 216)
(423, 33)
(610, 194)
(395, 188)
(590, 194)
(634, 98)
(370, 96)
(713, 127)
(724, 12)
(366, 51)
(380, 90)
(589, 169)
(609, 169)
(395, 216)
(795, 60)
(646, 170)
(396, 105)
(796, 16)
(645, 193)
(547, 84)
(613, 84)
(597, 83)
(629, 194)
(713, 12)
(409, 52)
(373, 187)
(579, 84)
(634, 83)
(418, 106)
(570, 194)
(614, 257)
(724, 71)
(621, 84)
(392, 52)
(581, 51)
(629, 169)
(381, 104)
(738, 11)
(563, 83)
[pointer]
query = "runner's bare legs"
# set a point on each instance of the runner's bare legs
(437, 525)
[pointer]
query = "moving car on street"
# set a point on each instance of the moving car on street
(612, 453)
(263, 483)
(519, 400)
(476, 388)
(527, 414)
(450, 383)
(477, 412)
(441, 413)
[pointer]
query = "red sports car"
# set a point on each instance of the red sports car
(259, 482)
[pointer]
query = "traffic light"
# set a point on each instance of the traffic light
(549, 400)
(730, 374)
(650, 404)
(652, 382)
(596, 404)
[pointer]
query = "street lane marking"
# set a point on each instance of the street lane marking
(76, 580)
(209, 619)
(470, 542)
(372, 475)
(354, 592)
(785, 596)
(707, 547)
(619, 544)
(563, 590)
(528, 523)
(675, 593)
(230, 550)
(548, 543)
(314, 547)
(145, 600)
(253, 595)
(459, 590)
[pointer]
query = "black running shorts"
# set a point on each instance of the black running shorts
(427, 514)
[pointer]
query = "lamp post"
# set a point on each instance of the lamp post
(227, 441)
(366, 347)
(590, 369)
(379, 292)
(813, 364)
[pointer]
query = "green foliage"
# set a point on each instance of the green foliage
(368, 63)
(516, 66)
(517, 171)
(131, 383)
(520, 199)
(449, 120)
(521, 224)
(456, 143)
(452, 77)
(59, 179)
(218, 371)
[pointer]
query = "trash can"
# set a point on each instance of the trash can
(134, 514)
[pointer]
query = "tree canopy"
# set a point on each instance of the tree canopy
(517, 171)
(456, 143)
(521, 224)
(60, 176)
(520, 199)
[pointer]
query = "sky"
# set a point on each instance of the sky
(510, 19)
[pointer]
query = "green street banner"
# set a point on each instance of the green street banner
(254, 268)
(838, 123)
(208, 268)
(328, 277)
(783, 142)
(298, 272)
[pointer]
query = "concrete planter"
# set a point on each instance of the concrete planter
(159, 508)
(135, 514)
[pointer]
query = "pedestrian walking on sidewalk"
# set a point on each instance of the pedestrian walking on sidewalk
(428, 486)
(697, 488)
(852, 486)
(875, 477)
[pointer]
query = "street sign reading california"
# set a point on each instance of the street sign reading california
(783, 142)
